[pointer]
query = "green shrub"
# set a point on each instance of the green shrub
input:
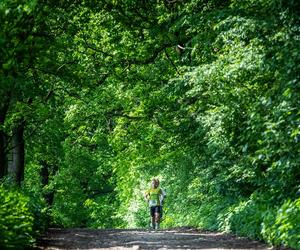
(210, 213)
(282, 226)
(40, 213)
(255, 219)
(16, 221)
(100, 213)
(244, 219)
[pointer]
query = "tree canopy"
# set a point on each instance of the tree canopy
(98, 97)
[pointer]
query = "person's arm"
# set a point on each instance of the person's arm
(147, 195)
(162, 196)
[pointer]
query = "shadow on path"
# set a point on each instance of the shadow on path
(142, 239)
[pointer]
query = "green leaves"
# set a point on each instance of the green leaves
(282, 227)
(16, 221)
(202, 94)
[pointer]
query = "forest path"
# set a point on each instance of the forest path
(143, 239)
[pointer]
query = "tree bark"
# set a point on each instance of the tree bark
(45, 173)
(3, 157)
(18, 153)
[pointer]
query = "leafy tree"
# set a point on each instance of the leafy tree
(101, 97)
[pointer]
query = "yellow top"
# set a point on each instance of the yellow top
(154, 194)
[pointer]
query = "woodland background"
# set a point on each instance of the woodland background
(98, 97)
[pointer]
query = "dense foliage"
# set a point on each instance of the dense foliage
(16, 220)
(202, 94)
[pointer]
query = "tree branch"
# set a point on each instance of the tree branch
(172, 63)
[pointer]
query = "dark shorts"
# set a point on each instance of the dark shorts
(156, 209)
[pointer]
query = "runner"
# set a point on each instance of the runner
(155, 196)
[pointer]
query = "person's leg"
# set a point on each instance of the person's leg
(160, 212)
(152, 213)
(157, 217)
(153, 222)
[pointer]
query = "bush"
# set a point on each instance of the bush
(211, 212)
(257, 220)
(16, 221)
(282, 226)
(245, 219)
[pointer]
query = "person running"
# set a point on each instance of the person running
(154, 197)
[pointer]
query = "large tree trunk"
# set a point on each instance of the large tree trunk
(3, 158)
(18, 153)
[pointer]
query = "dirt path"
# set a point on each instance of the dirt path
(142, 239)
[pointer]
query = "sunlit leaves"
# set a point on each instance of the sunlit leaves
(203, 94)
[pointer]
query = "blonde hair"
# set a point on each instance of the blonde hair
(156, 182)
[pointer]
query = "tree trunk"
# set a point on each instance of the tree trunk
(3, 158)
(18, 153)
(48, 195)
